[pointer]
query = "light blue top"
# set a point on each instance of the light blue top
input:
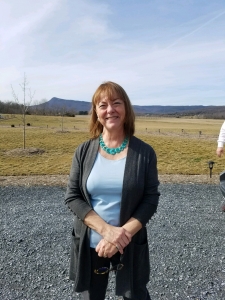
(104, 185)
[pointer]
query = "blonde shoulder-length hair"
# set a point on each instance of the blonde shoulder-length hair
(109, 89)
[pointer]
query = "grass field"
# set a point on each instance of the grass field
(183, 146)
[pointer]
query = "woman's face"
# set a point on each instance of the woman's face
(111, 112)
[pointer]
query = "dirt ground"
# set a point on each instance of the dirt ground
(61, 180)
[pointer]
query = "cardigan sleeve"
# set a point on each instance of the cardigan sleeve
(74, 197)
(149, 202)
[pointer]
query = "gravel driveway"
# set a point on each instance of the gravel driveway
(186, 238)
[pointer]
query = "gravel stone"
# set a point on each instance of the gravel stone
(186, 244)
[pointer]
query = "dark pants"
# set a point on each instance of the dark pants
(99, 282)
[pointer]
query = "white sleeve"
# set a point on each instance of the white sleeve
(221, 138)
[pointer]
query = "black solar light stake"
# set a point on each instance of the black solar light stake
(211, 163)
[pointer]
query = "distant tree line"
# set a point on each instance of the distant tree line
(83, 112)
(10, 107)
(209, 114)
(42, 108)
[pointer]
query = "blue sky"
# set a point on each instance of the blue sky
(163, 52)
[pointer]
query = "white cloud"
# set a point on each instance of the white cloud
(16, 26)
(67, 48)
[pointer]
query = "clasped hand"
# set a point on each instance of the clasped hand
(114, 239)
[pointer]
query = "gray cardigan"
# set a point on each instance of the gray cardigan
(139, 200)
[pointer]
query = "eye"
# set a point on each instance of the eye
(117, 101)
(102, 105)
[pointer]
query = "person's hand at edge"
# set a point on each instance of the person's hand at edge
(219, 151)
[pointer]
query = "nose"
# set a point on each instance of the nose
(110, 108)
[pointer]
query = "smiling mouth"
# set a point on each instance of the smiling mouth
(112, 118)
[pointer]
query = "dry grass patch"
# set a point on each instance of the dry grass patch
(178, 152)
(24, 152)
(187, 156)
(47, 122)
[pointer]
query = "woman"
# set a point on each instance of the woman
(113, 193)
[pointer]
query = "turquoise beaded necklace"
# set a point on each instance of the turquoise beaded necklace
(112, 151)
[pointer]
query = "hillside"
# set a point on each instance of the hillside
(57, 104)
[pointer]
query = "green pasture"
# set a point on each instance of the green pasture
(183, 146)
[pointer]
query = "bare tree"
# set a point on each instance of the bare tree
(61, 111)
(26, 103)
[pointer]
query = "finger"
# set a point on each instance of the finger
(99, 246)
(111, 250)
(128, 235)
(119, 248)
(124, 241)
(101, 253)
(100, 250)
(107, 249)
(111, 253)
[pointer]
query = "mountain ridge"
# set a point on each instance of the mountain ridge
(78, 105)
